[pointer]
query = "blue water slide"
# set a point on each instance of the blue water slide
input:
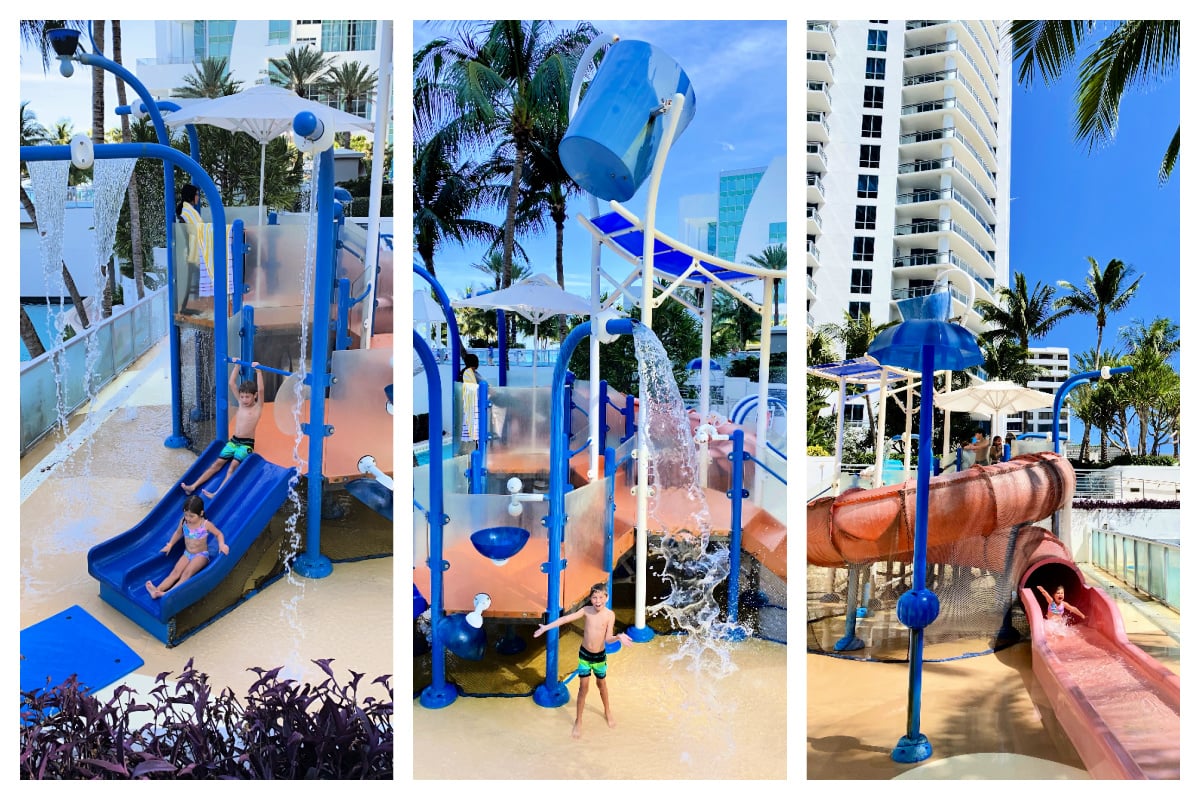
(241, 510)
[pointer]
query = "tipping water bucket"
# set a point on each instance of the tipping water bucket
(610, 145)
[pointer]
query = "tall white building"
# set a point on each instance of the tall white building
(249, 45)
(1055, 366)
(908, 152)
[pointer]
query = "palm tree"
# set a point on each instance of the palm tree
(734, 323)
(492, 265)
(135, 216)
(210, 78)
(33, 33)
(349, 83)
(496, 78)
(32, 133)
(1149, 348)
(1103, 292)
(855, 335)
(1133, 54)
(98, 85)
(301, 69)
(1098, 404)
(1005, 360)
(1022, 314)
(446, 192)
(774, 257)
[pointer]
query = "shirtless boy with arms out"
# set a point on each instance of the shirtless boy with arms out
(245, 421)
(598, 622)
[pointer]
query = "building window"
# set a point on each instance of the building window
(876, 40)
(868, 186)
(777, 233)
(876, 69)
(864, 248)
(859, 308)
(872, 126)
(872, 97)
(864, 218)
(860, 281)
(213, 38)
(279, 31)
(854, 413)
(341, 35)
(868, 156)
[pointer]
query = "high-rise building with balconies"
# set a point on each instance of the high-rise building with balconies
(908, 151)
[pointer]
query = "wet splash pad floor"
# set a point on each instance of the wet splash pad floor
(98, 490)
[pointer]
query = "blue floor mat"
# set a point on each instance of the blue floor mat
(73, 642)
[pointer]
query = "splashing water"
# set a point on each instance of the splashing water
(48, 185)
(693, 568)
(291, 607)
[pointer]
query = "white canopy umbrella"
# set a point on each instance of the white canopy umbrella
(264, 111)
(536, 298)
(995, 399)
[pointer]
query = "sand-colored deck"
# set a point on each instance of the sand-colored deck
(81, 495)
(982, 715)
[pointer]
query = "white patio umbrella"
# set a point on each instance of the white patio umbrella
(995, 399)
(536, 298)
(264, 111)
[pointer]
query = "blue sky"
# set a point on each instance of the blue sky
(1069, 204)
(738, 73)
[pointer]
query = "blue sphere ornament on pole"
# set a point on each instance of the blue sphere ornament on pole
(927, 341)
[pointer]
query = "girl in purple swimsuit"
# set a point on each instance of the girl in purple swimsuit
(1057, 606)
(194, 530)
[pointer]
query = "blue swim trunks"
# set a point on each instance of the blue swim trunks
(238, 449)
(590, 663)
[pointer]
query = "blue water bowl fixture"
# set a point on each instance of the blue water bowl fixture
(461, 637)
(610, 144)
(500, 543)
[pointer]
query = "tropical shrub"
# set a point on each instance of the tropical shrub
(281, 729)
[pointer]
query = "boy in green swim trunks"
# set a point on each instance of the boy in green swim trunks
(598, 622)
(245, 421)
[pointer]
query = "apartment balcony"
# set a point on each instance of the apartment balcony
(813, 256)
(927, 204)
(919, 32)
(817, 160)
(816, 188)
(950, 54)
(820, 66)
(915, 174)
(814, 221)
(818, 97)
(821, 35)
(811, 321)
(927, 234)
(928, 145)
(818, 126)
(932, 113)
(927, 266)
(812, 288)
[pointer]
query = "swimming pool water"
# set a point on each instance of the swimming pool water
(422, 455)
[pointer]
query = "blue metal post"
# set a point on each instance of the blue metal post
(311, 563)
(1070, 383)
(247, 333)
(237, 235)
(630, 418)
(204, 183)
(438, 694)
(603, 406)
(342, 326)
(610, 513)
(176, 439)
(918, 607)
(553, 692)
(736, 494)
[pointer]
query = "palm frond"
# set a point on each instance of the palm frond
(1046, 47)
(1170, 159)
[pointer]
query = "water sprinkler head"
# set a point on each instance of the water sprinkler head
(83, 153)
(65, 67)
(514, 485)
(514, 508)
(482, 603)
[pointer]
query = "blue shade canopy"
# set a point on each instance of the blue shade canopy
(954, 347)
(863, 370)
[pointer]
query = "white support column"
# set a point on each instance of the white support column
(764, 374)
(880, 414)
(670, 122)
(841, 434)
(702, 455)
(383, 113)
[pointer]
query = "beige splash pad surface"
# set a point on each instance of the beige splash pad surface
(109, 483)
(672, 723)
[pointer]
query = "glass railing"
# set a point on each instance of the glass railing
(812, 249)
(818, 55)
(944, 257)
(823, 27)
(917, 24)
(812, 214)
(930, 77)
(1148, 565)
(817, 149)
(815, 180)
(818, 117)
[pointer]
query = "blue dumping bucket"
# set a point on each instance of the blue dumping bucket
(610, 144)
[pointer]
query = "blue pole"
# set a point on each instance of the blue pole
(603, 406)
(438, 694)
(918, 607)
(177, 438)
(1065, 388)
(737, 492)
(237, 234)
(610, 512)
(311, 563)
(553, 693)
(204, 183)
